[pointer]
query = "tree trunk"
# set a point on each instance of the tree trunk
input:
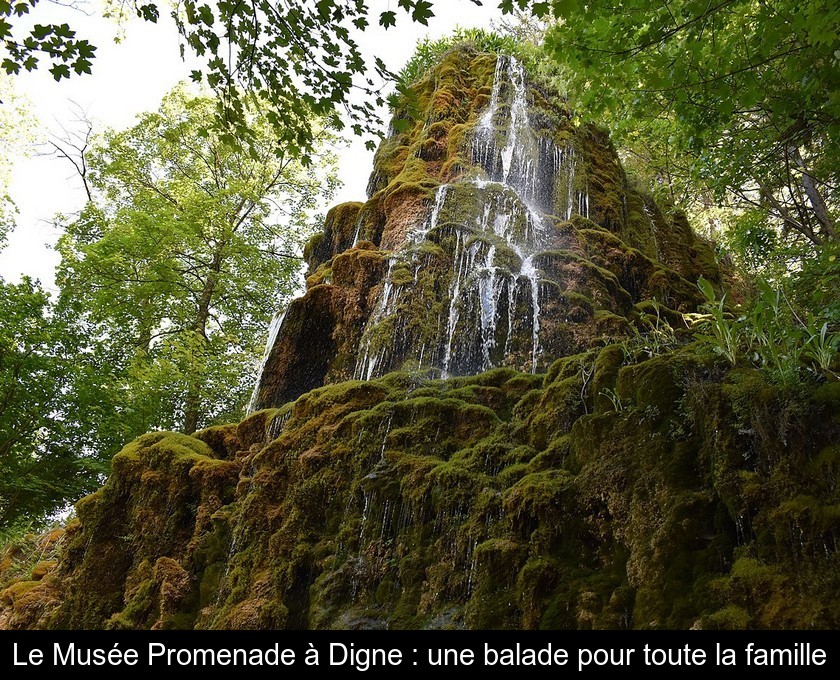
(814, 196)
(193, 402)
(786, 216)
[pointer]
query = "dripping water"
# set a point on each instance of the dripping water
(526, 176)
(273, 332)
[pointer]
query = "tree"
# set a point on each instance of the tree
(746, 90)
(45, 453)
(15, 134)
(188, 246)
(298, 60)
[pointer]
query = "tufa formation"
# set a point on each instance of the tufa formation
(484, 412)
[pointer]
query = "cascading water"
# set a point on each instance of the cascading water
(465, 290)
(273, 331)
(524, 176)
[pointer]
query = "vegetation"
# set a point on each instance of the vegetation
(299, 61)
(15, 133)
(187, 248)
(688, 496)
(169, 277)
(45, 445)
(669, 461)
(728, 99)
(772, 335)
(428, 53)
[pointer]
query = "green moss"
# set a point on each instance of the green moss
(605, 375)
(254, 429)
(607, 493)
(567, 367)
(731, 617)
(656, 383)
(827, 396)
(538, 496)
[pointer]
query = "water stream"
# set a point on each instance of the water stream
(524, 176)
(273, 332)
(490, 224)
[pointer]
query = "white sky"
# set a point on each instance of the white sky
(132, 77)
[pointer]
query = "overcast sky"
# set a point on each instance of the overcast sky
(131, 77)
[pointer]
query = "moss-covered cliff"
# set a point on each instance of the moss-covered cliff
(496, 233)
(610, 492)
(535, 442)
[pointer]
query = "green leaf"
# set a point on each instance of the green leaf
(60, 71)
(707, 289)
(422, 12)
(325, 8)
(148, 12)
(81, 66)
(205, 15)
(540, 9)
(10, 67)
(63, 31)
(387, 19)
(39, 32)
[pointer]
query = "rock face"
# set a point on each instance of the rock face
(496, 234)
(603, 473)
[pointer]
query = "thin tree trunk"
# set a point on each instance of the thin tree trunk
(193, 402)
(814, 196)
(788, 219)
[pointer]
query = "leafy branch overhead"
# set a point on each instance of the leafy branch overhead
(298, 60)
(57, 44)
(301, 59)
(746, 91)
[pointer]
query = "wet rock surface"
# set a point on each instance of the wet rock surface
(483, 413)
(502, 230)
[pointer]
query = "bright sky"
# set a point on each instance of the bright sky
(132, 77)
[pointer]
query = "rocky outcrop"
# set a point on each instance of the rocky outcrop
(496, 233)
(615, 491)
(484, 412)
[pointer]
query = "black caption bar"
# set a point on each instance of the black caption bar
(371, 652)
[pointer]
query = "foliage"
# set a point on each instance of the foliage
(188, 247)
(57, 43)
(657, 336)
(429, 52)
(45, 457)
(614, 398)
(771, 334)
(754, 242)
(299, 62)
(28, 547)
(815, 283)
(725, 335)
(747, 91)
(15, 134)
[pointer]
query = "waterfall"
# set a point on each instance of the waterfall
(366, 364)
(273, 332)
(499, 213)
(358, 231)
